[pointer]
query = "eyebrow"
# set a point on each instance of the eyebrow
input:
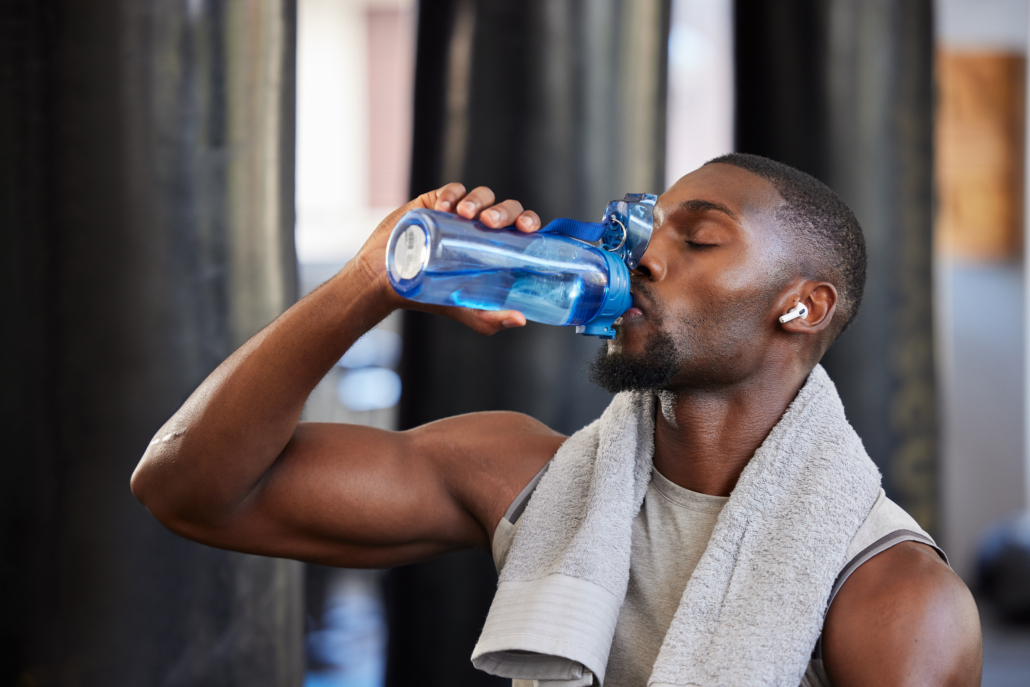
(705, 205)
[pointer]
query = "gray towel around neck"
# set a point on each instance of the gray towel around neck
(754, 607)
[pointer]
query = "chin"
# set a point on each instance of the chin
(617, 367)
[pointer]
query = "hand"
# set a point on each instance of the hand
(476, 204)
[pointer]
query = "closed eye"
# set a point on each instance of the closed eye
(698, 244)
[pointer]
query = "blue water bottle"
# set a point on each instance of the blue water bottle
(555, 276)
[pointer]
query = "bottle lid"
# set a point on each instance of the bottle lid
(630, 222)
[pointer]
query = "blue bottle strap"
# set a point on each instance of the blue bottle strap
(584, 231)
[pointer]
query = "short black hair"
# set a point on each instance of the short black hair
(834, 247)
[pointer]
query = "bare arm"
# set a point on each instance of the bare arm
(903, 618)
(235, 468)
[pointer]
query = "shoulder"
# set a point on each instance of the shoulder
(903, 618)
(486, 458)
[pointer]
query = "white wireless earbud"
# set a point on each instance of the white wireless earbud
(797, 311)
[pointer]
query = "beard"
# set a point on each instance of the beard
(615, 372)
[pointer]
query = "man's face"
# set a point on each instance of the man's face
(705, 290)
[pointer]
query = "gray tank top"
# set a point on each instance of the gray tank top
(670, 533)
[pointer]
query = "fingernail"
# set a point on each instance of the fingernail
(509, 323)
(491, 215)
(445, 205)
(467, 205)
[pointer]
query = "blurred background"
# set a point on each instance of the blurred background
(175, 173)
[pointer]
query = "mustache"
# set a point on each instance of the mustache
(640, 290)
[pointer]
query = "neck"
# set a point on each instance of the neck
(705, 437)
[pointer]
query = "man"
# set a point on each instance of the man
(737, 244)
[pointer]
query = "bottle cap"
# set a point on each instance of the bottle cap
(630, 222)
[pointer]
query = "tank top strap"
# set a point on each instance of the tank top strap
(517, 506)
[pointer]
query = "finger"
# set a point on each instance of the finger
(481, 321)
(475, 201)
(485, 322)
(502, 214)
(501, 319)
(447, 197)
(528, 221)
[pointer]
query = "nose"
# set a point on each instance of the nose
(651, 266)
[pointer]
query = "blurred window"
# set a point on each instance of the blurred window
(355, 65)
(699, 114)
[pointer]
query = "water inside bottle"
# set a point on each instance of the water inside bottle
(555, 281)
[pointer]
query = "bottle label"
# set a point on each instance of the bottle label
(409, 254)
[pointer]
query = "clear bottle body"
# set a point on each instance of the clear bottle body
(436, 257)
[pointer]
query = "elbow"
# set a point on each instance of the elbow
(161, 479)
(183, 501)
(155, 484)
(145, 485)
(154, 475)
(156, 467)
(139, 485)
(138, 482)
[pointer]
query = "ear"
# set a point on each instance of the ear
(820, 298)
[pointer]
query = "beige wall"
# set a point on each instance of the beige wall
(979, 281)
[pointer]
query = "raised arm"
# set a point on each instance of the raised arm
(235, 468)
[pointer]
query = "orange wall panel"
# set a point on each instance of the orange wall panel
(979, 154)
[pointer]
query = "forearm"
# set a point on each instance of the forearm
(207, 459)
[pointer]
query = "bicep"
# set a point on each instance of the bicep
(356, 496)
(903, 618)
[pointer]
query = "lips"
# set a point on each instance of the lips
(634, 312)
(641, 301)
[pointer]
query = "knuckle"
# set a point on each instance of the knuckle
(485, 193)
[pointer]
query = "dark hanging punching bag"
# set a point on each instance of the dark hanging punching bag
(844, 91)
(560, 105)
(146, 205)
